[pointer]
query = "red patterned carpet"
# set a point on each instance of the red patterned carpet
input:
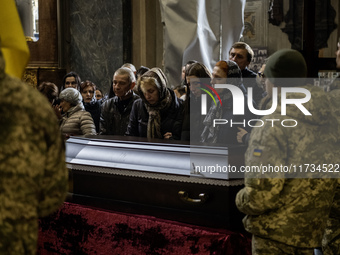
(76, 229)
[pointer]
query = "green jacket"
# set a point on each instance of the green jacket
(33, 175)
(291, 207)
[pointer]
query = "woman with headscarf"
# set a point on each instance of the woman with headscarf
(225, 72)
(158, 113)
(75, 120)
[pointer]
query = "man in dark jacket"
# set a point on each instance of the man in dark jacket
(242, 54)
(115, 112)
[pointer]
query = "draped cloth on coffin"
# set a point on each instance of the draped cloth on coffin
(77, 229)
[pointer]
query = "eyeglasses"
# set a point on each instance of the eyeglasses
(261, 75)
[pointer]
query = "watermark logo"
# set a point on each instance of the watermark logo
(204, 98)
(239, 104)
(238, 99)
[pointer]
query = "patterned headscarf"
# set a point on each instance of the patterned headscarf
(161, 82)
(165, 99)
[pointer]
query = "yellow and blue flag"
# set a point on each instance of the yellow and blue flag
(12, 40)
(257, 153)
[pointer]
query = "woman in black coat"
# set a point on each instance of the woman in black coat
(196, 75)
(91, 104)
(158, 113)
(226, 72)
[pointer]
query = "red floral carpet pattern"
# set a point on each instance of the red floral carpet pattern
(76, 229)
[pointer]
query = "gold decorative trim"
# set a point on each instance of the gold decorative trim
(31, 77)
(29, 39)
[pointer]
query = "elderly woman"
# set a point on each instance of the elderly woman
(225, 72)
(90, 102)
(75, 120)
(158, 113)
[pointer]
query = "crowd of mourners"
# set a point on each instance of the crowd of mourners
(142, 102)
(286, 213)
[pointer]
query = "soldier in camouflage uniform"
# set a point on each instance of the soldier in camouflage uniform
(287, 211)
(331, 240)
(33, 175)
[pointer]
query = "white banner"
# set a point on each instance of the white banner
(201, 30)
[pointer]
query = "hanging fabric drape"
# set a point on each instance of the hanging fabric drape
(199, 30)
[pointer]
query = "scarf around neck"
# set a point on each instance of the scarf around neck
(154, 122)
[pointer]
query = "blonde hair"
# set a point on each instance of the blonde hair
(158, 78)
(144, 81)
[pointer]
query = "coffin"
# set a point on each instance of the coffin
(166, 179)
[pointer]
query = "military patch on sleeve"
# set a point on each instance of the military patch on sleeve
(257, 152)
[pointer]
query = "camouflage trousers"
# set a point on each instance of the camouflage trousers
(261, 246)
(332, 248)
(19, 238)
(331, 238)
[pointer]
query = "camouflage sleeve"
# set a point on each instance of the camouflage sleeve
(267, 147)
(335, 211)
(331, 238)
(54, 183)
(259, 195)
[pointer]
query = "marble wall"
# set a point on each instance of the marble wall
(96, 41)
